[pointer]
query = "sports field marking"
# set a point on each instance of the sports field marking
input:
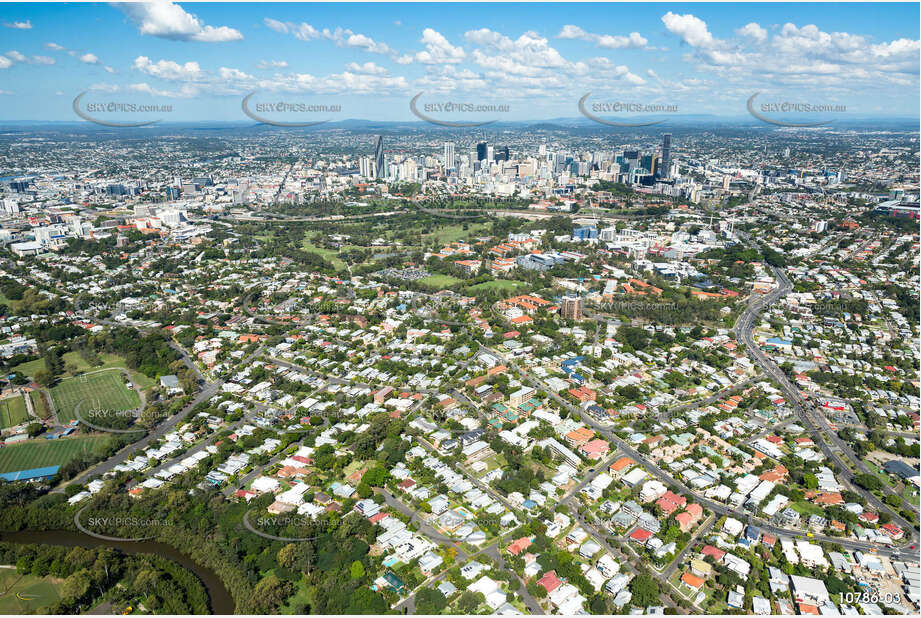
(104, 390)
(40, 453)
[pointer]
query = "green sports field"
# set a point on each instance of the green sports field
(439, 281)
(504, 285)
(12, 411)
(100, 391)
(40, 453)
(75, 364)
(24, 594)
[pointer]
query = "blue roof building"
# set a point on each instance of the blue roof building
(33, 474)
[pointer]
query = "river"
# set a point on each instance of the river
(221, 601)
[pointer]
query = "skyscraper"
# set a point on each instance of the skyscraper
(502, 153)
(450, 162)
(366, 167)
(481, 151)
(666, 154)
(571, 308)
(379, 157)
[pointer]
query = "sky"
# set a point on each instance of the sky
(521, 61)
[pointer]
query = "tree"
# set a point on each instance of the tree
(469, 601)
(357, 570)
(76, 586)
(867, 481)
(270, 593)
(288, 555)
(44, 378)
(645, 590)
(430, 601)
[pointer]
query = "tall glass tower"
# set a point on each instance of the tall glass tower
(379, 157)
(666, 155)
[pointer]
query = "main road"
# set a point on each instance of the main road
(126, 453)
(814, 421)
(717, 507)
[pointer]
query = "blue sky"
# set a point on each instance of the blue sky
(538, 59)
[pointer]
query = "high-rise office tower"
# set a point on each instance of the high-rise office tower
(502, 154)
(450, 162)
(366, 167)
(632, 158)
(379, 157)
(481, 151)
(490, 154)
(666, 154)
(571, 308)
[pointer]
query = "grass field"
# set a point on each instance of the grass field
(505, 285)
(807, 508)
(102, 391)
(30, 367)
(12, 411)
(327, 254)
(12, 304)
(440, 282)
(38, 404)
(40, 453)
(21, 594)
(452, 232)
(73, 360)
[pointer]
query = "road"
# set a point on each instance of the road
(702, 530)
(168, 425)
(699, 403)
(662, 475)
(813, 420)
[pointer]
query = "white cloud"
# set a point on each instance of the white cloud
(233, 74)
(609, 41)
(753, 31)
(89, 59)
(342, 37)
(897, 48)
(5, 62)
(438, 50)
(18, 25)
(168, 20)
(55, 47)
(102, 87)
(692, 30)
(167, 69)
(368, 68)
(272, 64)
(529, 54)
(185, 91)
(16, 56)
